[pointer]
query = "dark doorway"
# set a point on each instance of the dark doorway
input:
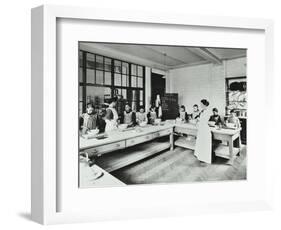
(158, 86)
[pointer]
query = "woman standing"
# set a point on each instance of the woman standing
(158, 106)
(111, 117)
(203, 148)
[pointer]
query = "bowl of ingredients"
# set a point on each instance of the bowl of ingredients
(142, 124)
(123, 126)
(230, 125)
(179, 120)
(93, 132)
(157, 121)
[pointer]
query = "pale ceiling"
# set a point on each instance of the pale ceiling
(166, 57)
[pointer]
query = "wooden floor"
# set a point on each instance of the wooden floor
(180, 165)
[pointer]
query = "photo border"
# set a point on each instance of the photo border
(44, 181)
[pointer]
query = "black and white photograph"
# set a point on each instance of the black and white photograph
(158, 114)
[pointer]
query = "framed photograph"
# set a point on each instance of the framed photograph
(137, 115)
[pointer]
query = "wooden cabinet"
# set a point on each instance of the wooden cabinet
(236, 98)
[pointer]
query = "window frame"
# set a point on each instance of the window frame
(129, 88)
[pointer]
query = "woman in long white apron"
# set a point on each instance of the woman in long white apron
(203, 148)
(111, 117)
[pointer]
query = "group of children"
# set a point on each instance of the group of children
(108, 118)
(215, 117)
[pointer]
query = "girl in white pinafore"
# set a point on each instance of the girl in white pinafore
(203, 148)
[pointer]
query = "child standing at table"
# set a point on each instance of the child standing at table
(90, 119)
(216, 117)
(141, 116)
(233, 119)
(152, 116)
(182, 115)
(110, 122)
(196, 112)
(102, 122)
(129, 116)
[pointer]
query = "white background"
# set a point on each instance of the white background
(15, 113)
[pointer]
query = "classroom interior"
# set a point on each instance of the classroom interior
(162, 151)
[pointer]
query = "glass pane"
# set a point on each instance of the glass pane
(140, 82)
(134, 95)
(90, 76)
(80, 74)
(134, 82)
(125, 68)
(80, 108)
(117, 79)
(107, 64)
(80, 59)
(99, 77)
(96, 95)
(107, 78)
(90, 60)
(80, 93)
(140, 71)
(117, 66)
(124, 93)
(134, 69)
(117, 92)
(124, 80)
(134, 106)
(141, 95)
(99, 62)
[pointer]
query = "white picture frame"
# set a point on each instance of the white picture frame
(45, 165)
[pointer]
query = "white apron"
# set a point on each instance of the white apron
(203, 148)
(110, 125)
(115, 114)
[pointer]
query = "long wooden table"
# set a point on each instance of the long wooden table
(86, 177)
(123, 139)
(223, 134)
(117, 139)
(126, 140)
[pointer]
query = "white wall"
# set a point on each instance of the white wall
(236, 67)
(204, 81)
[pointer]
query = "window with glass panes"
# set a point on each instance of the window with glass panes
(101, 78)
(136, 98)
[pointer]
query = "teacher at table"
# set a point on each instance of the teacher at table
(203, 148)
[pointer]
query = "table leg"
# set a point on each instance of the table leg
(230, 144)
(172, 141)
(239, 142)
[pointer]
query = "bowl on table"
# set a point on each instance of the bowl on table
(157, 121)
(179, 121)
(142, 124)
(123, 126)
(93, 132)
(230, 125)
(193, 121)
(101, 136)
(212, 123)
